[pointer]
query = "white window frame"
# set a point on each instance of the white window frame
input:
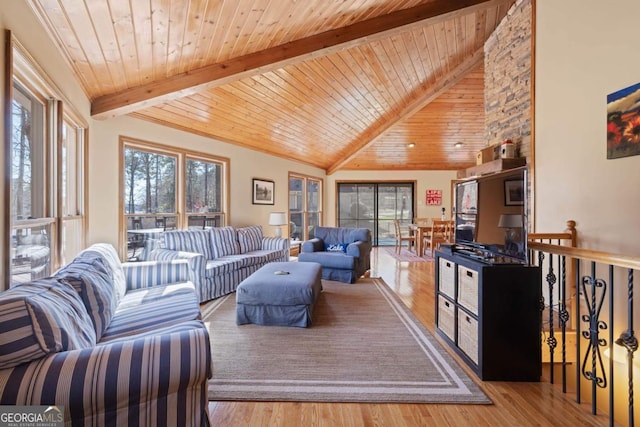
(183, 219)
(23, 70)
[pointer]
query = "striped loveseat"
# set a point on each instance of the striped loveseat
(114, 344)
(221, 257)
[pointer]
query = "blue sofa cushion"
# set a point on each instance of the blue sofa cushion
(39, 318)
(250, 238)
(224, 265)
(224, 242)
(261, 257)
(341, 234)
(329, 259)
(89, 276)
(149, 309)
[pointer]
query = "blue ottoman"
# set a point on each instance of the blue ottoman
(269, 298)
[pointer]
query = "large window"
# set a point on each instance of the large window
(27, 156)
(166, 188)
(150, 182)
(305, 206)
(46, 177)
(204, 191)
(31, 227)
(71, 197)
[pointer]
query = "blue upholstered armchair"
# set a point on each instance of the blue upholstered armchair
(344, 253)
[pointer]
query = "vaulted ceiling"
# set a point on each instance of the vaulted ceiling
(338, 84)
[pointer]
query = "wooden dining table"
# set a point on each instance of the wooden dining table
(420, 230)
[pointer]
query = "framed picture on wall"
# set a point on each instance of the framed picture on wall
(263, 192)
(513, 192)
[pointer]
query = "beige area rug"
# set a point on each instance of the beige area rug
(364, 346)
(406, 255)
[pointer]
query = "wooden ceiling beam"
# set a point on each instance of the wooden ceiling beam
(187, 83)
(431, 93)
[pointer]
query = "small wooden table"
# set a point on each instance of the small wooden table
(420, 231)
(294, 247)
(149, 236)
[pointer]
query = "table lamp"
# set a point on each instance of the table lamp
(278, 219)
(512, 235)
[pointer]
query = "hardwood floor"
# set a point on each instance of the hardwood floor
(514, 404)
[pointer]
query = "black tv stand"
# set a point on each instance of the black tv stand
(490, 315)
(488, 254)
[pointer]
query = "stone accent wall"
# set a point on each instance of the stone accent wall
(507, 80)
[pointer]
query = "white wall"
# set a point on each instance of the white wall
(585, 50)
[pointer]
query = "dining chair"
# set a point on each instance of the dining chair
(421, 221)
(401, 236)
(439, 233)
(211, 221)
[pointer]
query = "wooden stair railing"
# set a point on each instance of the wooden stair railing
(567, 238)
(598, 286)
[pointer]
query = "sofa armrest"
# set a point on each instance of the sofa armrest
(275, 243)
(195, 261)
(172, 364)
(196, 264)
(147, 274)
(314, 245)
(357, 249)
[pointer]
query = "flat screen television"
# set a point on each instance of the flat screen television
(490, 214)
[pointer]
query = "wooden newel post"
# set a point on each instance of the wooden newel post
(571, 273)
(571, 229)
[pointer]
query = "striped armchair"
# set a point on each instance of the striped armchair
(117, 344)
(221, 257)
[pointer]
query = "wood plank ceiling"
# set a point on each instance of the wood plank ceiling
(337, 84)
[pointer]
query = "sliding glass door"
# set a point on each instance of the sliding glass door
(374, 205)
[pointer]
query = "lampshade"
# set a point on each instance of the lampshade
(510, 221)
(277, 218)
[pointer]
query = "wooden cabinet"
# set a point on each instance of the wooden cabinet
(490, 314)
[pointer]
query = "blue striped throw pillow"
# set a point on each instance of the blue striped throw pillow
(189, 241)
(90, 277)
(224, 241)
(42, 317)
(250, 238)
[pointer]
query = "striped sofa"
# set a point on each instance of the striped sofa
(114, 344)
(221, 257)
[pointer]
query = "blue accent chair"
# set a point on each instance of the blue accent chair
(344, 253)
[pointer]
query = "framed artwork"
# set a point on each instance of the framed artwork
(434, 197)
(514, 192)
(263, 192)
(623, 122)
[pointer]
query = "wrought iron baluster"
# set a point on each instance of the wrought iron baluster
(594, 302)
(552, 342)
(541, 302)
(564, 318)
(611, 326)
(578, 333)
(629, 341)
